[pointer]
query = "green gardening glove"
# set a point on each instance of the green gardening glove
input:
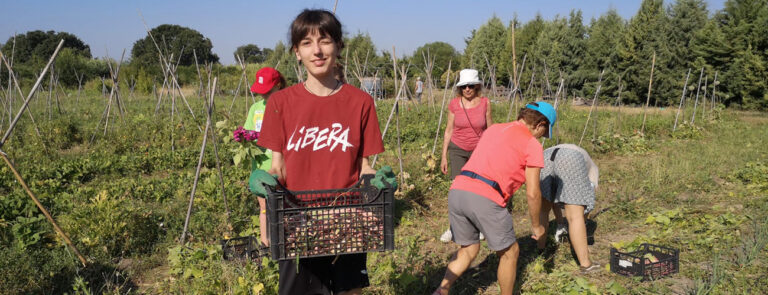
(385, 178)
(258, 180)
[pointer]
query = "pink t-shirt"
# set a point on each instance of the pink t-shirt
(501, 155)
(464, 135)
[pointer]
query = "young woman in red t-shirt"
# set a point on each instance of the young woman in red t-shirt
(321, 133)
(469, 116)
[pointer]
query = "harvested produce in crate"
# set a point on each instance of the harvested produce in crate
(333, 231)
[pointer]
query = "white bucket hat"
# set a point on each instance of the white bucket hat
(468, 77)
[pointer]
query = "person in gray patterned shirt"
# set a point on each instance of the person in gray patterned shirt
(568, 181)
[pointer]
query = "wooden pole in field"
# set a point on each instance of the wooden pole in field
(31, 93)
(334, 6)
(516, 90)
(42, 209)
(399, 149)
(680, 106)
(199, 76)
(199, 165)
(714, 85)
(704, 97)
(237, 89)
(12, 75)
(648, 98)
(442, 108)
(618, 107)
(397, 99)
(79, 85)
(211, 106)
(696, 103)
(164, 63)
(592, 108)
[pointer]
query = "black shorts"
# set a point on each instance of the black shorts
(322, 276)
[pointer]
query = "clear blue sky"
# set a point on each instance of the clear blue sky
(114, 25)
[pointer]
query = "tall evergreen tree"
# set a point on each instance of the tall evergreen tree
(605, 34)
(686, 18)
(646, 34)
(575, 49)
(488, 42)
(747, 80)
(744, 25)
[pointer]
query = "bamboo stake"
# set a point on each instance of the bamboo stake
(42, 209)
(399, 149)
(211, 107)
(31, 92)
(237, 90)
(12, 75)
(594, 102)
(696, 103)
(648, 98)
(397, 99)
(714, 85)
(442, 108)
(199, 165)
(516, 90)
(680, 106)
(164, 62)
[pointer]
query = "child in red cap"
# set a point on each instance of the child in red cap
(268, 81)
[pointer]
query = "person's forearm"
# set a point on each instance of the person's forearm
(534, 207)
(447, 140)
(365, 166)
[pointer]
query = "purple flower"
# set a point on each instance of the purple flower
(239, 134)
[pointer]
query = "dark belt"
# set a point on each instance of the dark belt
(553, 184)
(491, 183)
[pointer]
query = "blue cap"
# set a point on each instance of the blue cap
(547, 110)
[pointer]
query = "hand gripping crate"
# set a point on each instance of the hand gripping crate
(319, 223)
(649, 261)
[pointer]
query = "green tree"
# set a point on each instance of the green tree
(744, 25)
(487, 42)
(39, 46)
(176, 40)
(33, 49)
(710, 48)
(605, 33)
(443, 53)
(686, 18)
(358, 48)
(251, 53)
(284, 60)
(646, 34)
(746, 80)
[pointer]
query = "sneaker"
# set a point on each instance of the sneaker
(446, 236)
(561, 233)
(595, 267)
(482, 237)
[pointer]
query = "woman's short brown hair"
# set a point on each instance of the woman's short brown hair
(319, 20)
(533, 118)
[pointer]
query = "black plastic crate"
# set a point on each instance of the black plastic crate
(244, 248)
(637, 264)
(305, 224)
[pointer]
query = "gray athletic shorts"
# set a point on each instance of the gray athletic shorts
(470, 214)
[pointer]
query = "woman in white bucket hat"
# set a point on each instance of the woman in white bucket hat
(469, 116)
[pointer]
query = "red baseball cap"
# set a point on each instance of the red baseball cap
(266, 78)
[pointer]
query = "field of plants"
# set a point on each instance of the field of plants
(122, 196)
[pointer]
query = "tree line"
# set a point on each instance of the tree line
(731, 43)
